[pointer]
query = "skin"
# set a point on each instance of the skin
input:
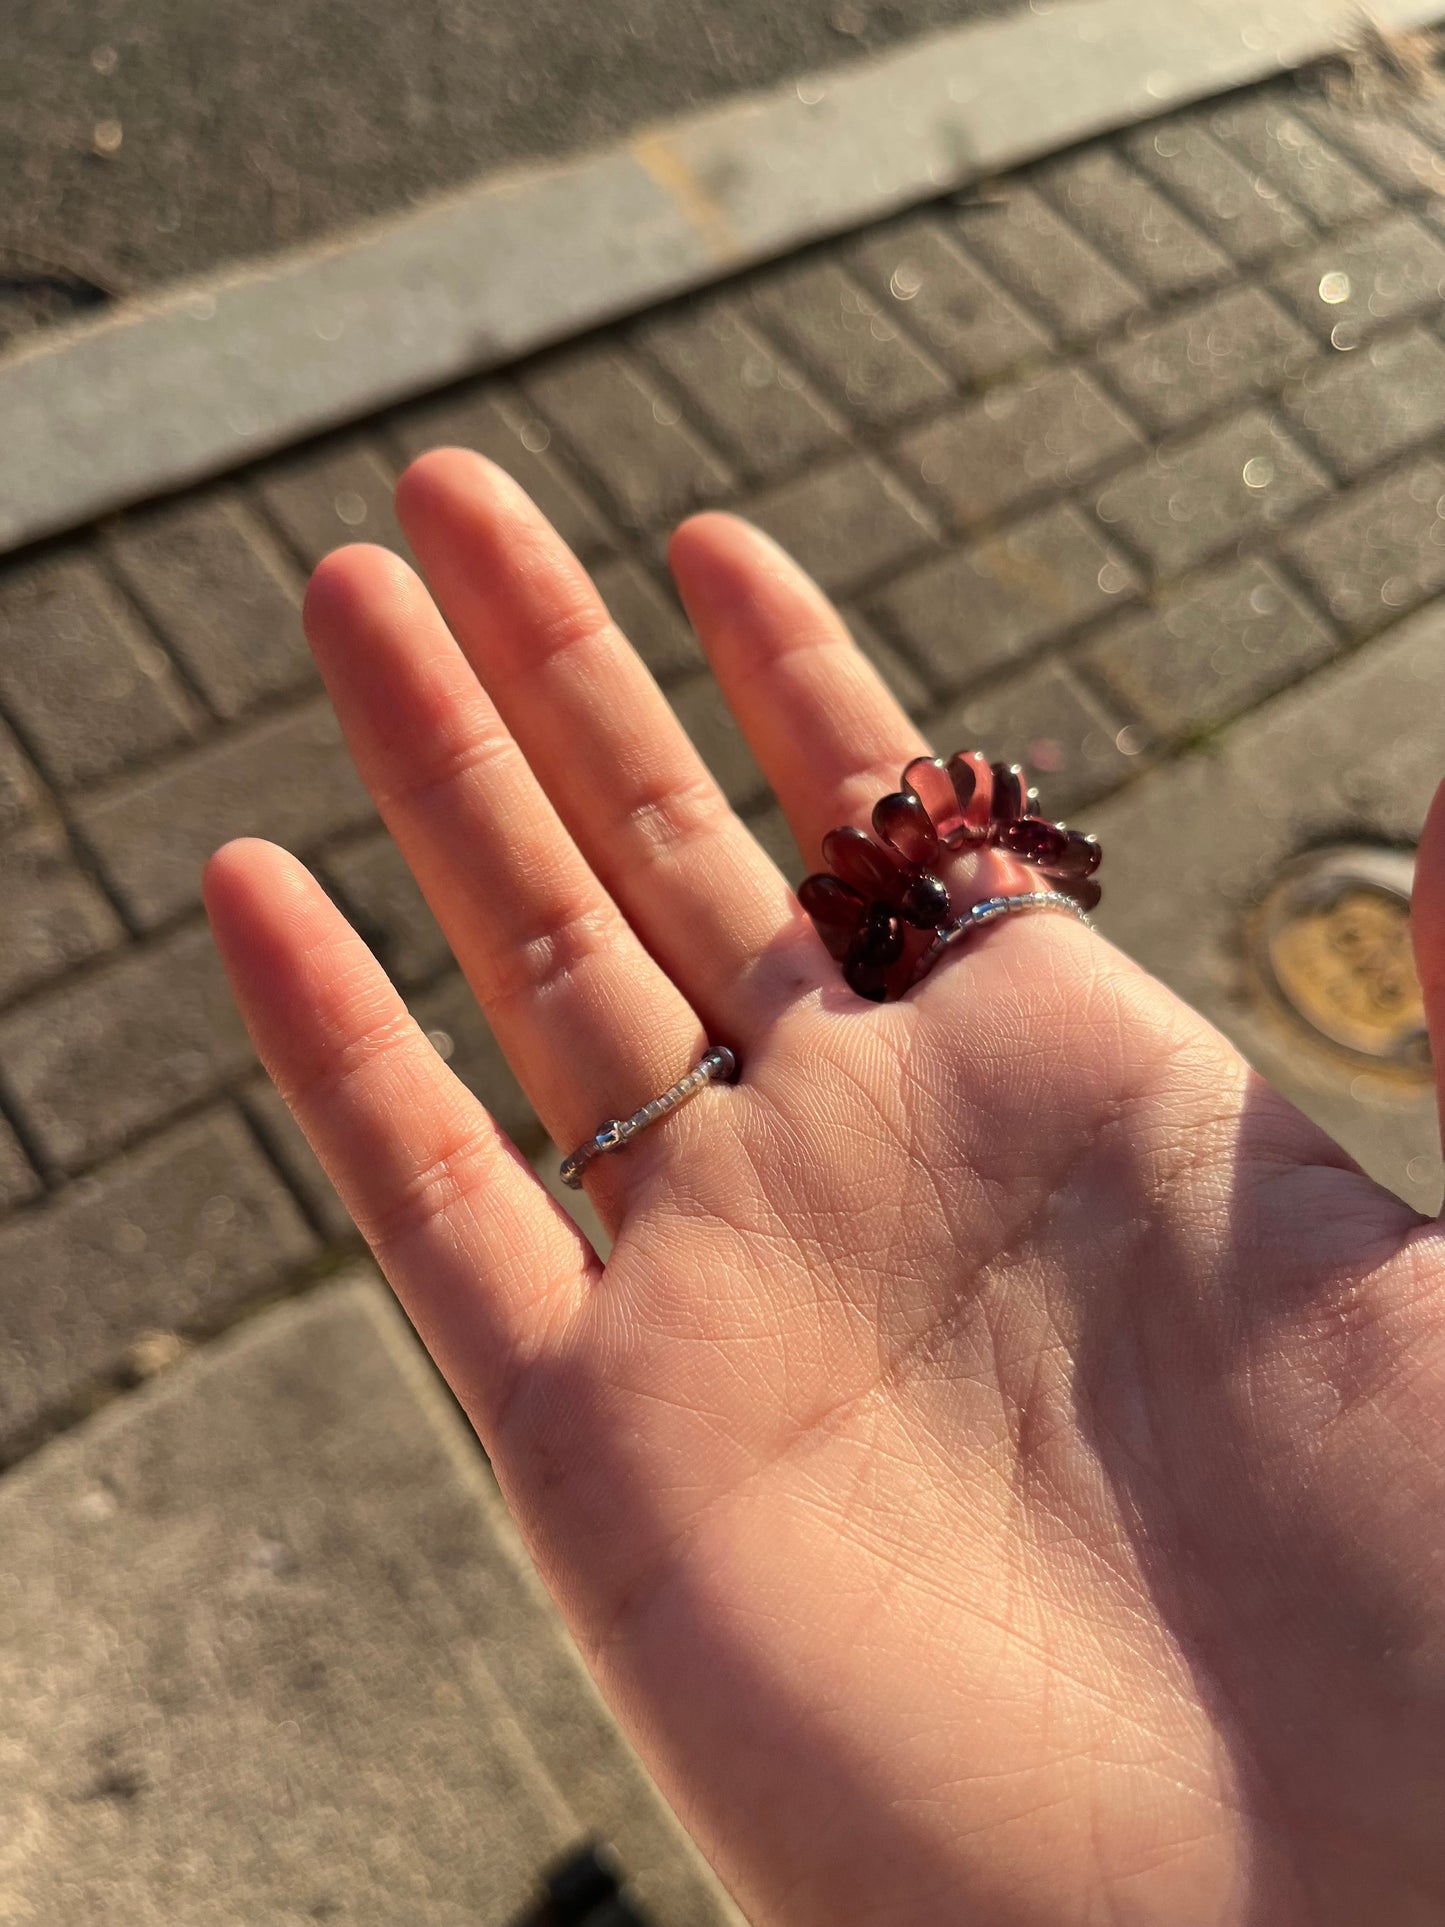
(998, 1475)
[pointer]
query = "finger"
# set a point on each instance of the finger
(587, 1020)
(626, 780)
(482, 1259)
(1427, 930)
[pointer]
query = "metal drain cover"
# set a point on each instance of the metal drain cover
(1332, 942)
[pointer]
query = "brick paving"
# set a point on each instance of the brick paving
(1098, 458)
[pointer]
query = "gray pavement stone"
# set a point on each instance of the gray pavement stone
(969, 324)
(97, 1059)
(700, 708)
(343, 1696)
(330, 495)
(1243, 211)
(845, 523)
(220, 595)
(754, 403)
(1384, 143)
(89, 690)
(266, 1112)
(771, 829)
(1351, 285)
(54, 917)
(1365, 408)
(1037, 436)
(288, 778)
(649, 463)
(496, 422)
(1190, 499)
(19, 785)
(1379, 550)
(19, 1180)
(1065, 737)
(383, 901)
(460, 1034)
(1213, 647)
(1046, 262)
(175, 1238)
(1263, 130)
(863, 362)
(651, 620)
(1173, 368)
(968, 612)
(1355, 752)
(1131, 222)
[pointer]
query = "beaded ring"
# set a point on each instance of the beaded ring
(874, 894)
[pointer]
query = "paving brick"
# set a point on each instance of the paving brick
(1352, 285)
(970, 325)
(897, 672)
(496, 421)
(1043, 718)
(220, 595)
(1385, 143)
(19, 1180)
(650, 619)
(707, 719)
(1216, 646)
(1263, 130)
(1175, 368)
(857, 353)
(770, 827)
(175, 1238)
(286, 1142)
(449, 1014)
(288, 778)
(649, 463)
(54, 916)
(1379, 550)
(89, 690)
(384, 902)
(1242, 211)
(278, 1657)
(330, 495)
(1035, 437)
(96, 1060)
(1003, 597)
(754, 403)
(1130, 221)
(1046, 262)
(1364, 408)
(19, 786)
(1192, 498)
(844, 523)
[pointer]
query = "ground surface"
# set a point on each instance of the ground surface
(145, 143)
(1133, 466)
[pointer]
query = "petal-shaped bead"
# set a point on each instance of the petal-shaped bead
(1035, 839)
(836, 910)
(928, 780)
(867, 980)
(880, 941)
(902, 823)
(1085, 891)
(1081, 857)
(972, 777)
(1008, 793)
(857, 859)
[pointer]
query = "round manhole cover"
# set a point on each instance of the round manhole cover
(1333, 942)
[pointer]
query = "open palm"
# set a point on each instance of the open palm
(999, 1475)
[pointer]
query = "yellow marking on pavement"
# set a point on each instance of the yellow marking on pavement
(656, 155)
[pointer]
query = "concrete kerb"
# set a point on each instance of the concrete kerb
(207, 377)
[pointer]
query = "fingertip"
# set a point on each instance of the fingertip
(347, 585)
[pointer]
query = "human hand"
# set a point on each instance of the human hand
(998, 1474)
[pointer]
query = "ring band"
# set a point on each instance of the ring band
(990, 910)
(717, 1066)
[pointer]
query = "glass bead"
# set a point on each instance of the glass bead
(837, 912)
(925, 902)
(928, 780)
(1085, 892)
(1035, 839)
(972, 777)
(1080, 858)
(866, 980)
(880, 941)
(1008, 793)
(902, 823)
(857, 860)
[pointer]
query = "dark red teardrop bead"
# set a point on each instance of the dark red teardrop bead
(928, 780)
(857, 859)
(866, 980)
(880, 941)
(1085, 892)
(902, 823)
(1008, 793)
(1035, 839)
(837, 912)
(925, 902)
(1081, 857)
(972, 777)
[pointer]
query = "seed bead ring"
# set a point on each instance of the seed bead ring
(877, 901)
(717, 1066)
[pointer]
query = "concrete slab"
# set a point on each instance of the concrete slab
(204, 378)
(268, 1652)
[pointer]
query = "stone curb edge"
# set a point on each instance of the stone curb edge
(210, 376)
